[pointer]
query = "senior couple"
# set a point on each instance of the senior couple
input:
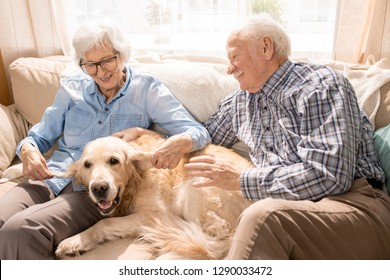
(317, 182)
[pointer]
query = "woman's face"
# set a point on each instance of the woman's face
(109, 81)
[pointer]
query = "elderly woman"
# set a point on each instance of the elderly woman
(108, 98)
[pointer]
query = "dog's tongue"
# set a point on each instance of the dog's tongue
(105, 204)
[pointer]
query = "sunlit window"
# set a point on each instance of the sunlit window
(202, 26)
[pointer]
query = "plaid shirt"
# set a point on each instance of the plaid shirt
(305, 132)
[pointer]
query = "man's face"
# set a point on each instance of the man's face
(248, 63)
(244, 64)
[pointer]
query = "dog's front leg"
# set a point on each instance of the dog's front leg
(104, 230)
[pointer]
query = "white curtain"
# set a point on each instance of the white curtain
(363, 30)
(41, 28)
(32, 28)
(64, 28)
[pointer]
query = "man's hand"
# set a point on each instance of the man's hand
(34, 164)
(216, 173)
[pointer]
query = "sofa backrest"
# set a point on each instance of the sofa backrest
(198, 82)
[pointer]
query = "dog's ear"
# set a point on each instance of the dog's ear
(70, 172)
(141, 159)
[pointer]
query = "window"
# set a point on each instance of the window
(202, 26)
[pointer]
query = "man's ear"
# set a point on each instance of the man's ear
(267, 47)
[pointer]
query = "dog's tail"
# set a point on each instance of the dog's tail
(175, 238)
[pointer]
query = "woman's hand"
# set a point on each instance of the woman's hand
(34, 164)
(216, 173)
(171, 151)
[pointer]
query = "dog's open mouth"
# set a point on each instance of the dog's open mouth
(106, 206)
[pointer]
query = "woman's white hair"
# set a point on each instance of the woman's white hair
(99, 33)
(261, 25)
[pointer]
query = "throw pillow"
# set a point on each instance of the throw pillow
(382, 147)
(199, 86)
(35, 82)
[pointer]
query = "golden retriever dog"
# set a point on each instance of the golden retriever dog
(156, 206)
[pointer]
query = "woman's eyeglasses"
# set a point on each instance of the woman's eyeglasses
(107, 64)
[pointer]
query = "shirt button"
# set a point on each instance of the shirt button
(106, 109)
(99, 122)
(267, 128)
(271, 149)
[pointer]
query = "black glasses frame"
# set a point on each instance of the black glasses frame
(98, 63)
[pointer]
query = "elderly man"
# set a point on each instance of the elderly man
(317, 182)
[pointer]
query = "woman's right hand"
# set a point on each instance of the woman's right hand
(34, 164)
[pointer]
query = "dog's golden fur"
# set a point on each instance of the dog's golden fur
(157, 206)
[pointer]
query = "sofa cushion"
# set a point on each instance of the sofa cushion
(199, 86)
(382, 147)
(383, 115)
(35, 82)
(371, 83)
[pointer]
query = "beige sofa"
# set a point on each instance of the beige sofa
(198, 82)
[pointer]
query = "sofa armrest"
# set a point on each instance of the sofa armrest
(13, 128)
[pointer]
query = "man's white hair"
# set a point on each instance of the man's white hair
(261, 25)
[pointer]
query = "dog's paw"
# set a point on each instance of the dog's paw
(72, 246)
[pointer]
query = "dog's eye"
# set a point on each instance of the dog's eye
(87, 164)
(114, 161)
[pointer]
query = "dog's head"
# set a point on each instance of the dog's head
(109, 169)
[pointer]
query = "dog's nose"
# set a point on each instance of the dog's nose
(99, 189)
